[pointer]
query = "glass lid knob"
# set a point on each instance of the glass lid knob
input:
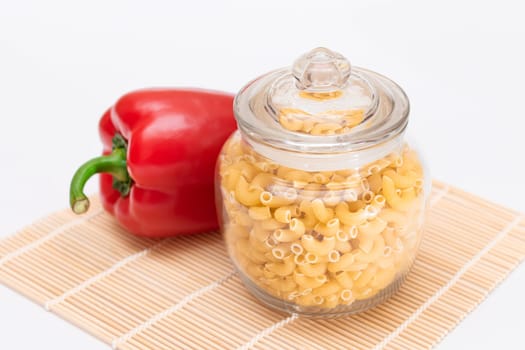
(321, 70)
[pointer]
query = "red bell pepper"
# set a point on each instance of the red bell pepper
(157, 168)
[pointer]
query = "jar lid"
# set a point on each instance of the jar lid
(321, 105)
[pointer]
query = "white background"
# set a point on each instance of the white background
(63, 63)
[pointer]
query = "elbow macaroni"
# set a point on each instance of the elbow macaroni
(320, 239)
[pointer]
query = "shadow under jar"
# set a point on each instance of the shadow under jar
(321, 201)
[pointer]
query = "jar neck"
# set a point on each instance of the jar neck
(327, 161)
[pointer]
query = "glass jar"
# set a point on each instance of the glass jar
(321, 201)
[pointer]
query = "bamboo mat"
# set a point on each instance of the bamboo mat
(182, 293)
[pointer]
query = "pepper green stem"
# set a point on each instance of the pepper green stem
(113, 163)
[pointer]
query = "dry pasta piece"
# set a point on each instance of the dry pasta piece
(365, 186)
(279, 252)
(396, 160)
(375, 182)
(299, 259)
(344, 279)
(366, 244)
(331, 301)
(383, 278)
(344, 261)
(291, 123)
(312, 191)
(241, 217)
(254, 270)
(310, 300)
(387, 262)
(299, 184)
(309, 219)
(352, 231)
(297, 226)
(270, 224)
(265, 166)
(285, 268)
(267, 274)
(389, 235)
(286, 235)
(402, 181)
(325, 129)
(329, 288)
(349, 195)
(379, 201)
(404, 201)
(260, 233)
(411, 162)
(271, 242)
(336, 183)
(322, 177)
(243, 246)
(337, 180)
(276, 200)
(284, 214)
(312, 270)
(347, 217)
(333, 256)
(309, 282)
(366, 276)
(281, 284)
(291, 295)
(293, 175)
(393, 217)
(304, 291)
(232, 148)
(262, 180)
(259, 213)
(367, 196)
(311, 258)
(347, 297)
(347, 263)
(237, 231)
(250, 158)
(321, 212)
(241, 259)
(246, 168)
(343, 234)
(329, 229)
(354, 206)
(318, 247)
(354, 117)
(353, 180)
(256, 256)
(332, 198)
(392, 157)
(365, 293)
(371, 211)
(258, 245)
(271, 256)
(298, 250)
(308, 125)
(230, 177)
(245, 195)
(374, 254)
(371, 228)
(342, 246)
